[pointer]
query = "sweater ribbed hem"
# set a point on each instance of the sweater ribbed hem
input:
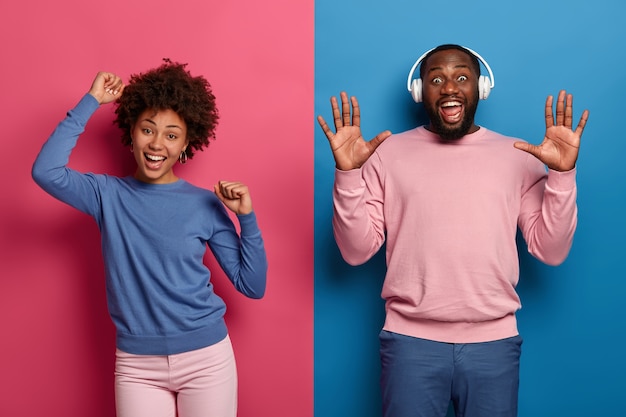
(172, 344)
(452, 332)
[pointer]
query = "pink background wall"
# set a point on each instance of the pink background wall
(57, 339)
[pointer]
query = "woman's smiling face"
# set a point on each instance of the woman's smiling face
(159, 137)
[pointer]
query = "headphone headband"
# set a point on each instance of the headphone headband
(410, 82)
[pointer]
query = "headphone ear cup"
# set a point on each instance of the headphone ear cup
(484, 87)
(416, 90)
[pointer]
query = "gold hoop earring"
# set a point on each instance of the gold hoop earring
(183, 158)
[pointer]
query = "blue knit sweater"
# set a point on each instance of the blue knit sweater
(154, 237)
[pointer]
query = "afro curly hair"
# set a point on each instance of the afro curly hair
(170, 86)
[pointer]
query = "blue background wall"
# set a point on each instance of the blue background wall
(573, 361)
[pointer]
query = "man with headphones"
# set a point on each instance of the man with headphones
(448, 199)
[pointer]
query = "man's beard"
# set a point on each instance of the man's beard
(452, 134)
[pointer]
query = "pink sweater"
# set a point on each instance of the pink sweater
(449, 213)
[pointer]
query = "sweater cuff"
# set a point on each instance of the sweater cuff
(85, 108)
(248, 223)
(561, 181)
(348, 180)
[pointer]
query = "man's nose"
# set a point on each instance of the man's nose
(449, 86)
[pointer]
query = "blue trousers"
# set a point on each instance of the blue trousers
(421, 377)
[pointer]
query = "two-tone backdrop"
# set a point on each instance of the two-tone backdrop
(310, 347)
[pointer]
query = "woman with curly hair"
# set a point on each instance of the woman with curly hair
(174, 356)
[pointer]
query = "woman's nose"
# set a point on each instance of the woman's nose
(156, 142)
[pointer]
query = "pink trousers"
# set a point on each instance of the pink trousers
(200, 383)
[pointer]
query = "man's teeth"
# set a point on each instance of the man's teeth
(155, 158)
(451, 104)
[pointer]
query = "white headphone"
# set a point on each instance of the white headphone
(485, 84)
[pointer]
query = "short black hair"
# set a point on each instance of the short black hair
(446, 47)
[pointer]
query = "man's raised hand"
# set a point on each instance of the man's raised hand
(560, 146)
(349, 148)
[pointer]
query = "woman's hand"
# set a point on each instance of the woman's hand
(106, 87)
(235, 196)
